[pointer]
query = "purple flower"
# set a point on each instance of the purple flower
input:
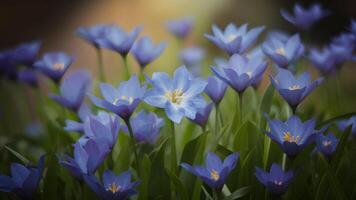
(88, 157)
(215, 89)
(234, 40)
(324, 60)
(276, 180)
(24, 180)
(54, 65)
(294, 89)
(26, 53)
(343, 124)
(192, 56)
(7, 68)
(145, 127)
(120, 41)
(284, 53)
(122, 100)
(326, 144)
(202, 116)
(112, 187)
(73, 90)
(179, 97)
(353, 26)
(240, 72)
(293, 135)
(28, 76)
(145, 51)
(215, 172)
(95, 35)
(180, 28)
(305, 18)
(256, 54)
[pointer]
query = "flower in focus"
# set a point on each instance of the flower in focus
(112, 187)
(326, 144)
(73, 90)
(294, 89)
(120, 41)
(202, 116)
(305, 18)
(145, 51)
(234, 40)
(215, 172)
(180, 28)
(343, 124)
(283, 53)
(25, 54)
(54, 65)
(145, 127)
(88, 156)
(240, 72)
(179, 97)
(215, 89)
(122, 100)
(95, 35)
(24, 180)
(293, 135)
(28, 76)
(192, 56)
(276, 180)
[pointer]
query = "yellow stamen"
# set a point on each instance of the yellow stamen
(289, 138)
(294, 87)
(214, 175)
(58, 66)
(175, 96)
(113, 188)
(327, 143)
(281, 51)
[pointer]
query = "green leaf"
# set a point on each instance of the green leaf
(207, 195)
(122, 161)
(265, 105)
(246, 137)
(340, 147)
(17, 155)
(51, 187)
(239, 193)
(145, 177)
(340, 117)
(180, 188)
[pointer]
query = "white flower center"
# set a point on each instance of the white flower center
(175, 96)
(281, 51)
(214, 175)
(58, 66)
(125, 98)
(294, 87)
(113, 188)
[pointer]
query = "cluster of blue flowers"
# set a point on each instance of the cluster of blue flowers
(179, 96)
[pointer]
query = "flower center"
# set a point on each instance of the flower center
(279, 183)
(281, 51)
(290, 138)
(214, 175)
(326, 143)
(294, 87)
(231, 37)
(249, 74)
(58, 66)
(175, 96)
(113, 188)
(125, 98)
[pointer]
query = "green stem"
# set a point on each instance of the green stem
(284, 161)
(126, 67)
(216, 119)
(133, 144)
(100, 65)
(215, 195)
(173, 149)
(240, 108)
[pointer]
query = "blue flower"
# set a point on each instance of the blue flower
(343, 124)
(276, 180)
(192, 56)
(180, 28)
(234, 40)
(120, 41)
(256, 54)
(293, 135)
(122, 100)
(25, 54)
(179, 97)
(95, 35)
(7, 68)
(28, 76)
(145, 127)
(240, 72)
(215, 172)
(284, 53)
(112, 187)
(352, 28)
(294, 89)
(73, 90)
(215, 89)
(24, 180)
(145, 51)
(305, 18)
(326, 144)
(324, 60)
(202, 116)
(88, 156)
(54, 65)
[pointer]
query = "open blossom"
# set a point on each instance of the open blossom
(326, 144)
(73, 90)
(294, 89)
(215, 89)
(276, 180)
(145, 51)
(54, 64)
(24, 180)
(112, 187)
(122, 100)
(293, 135)
(234, 39)
(179, 97)
(181, 28)
(305, 18)
(95, 35)
(240, 72)
(25, 53)
(283, 53)
(215, 172)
